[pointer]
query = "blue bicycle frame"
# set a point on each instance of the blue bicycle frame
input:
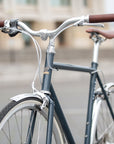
(54, 103)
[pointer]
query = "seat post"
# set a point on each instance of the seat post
(97, 41)
(96, 52)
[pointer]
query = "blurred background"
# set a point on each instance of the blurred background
(50, 14)
(18, 61)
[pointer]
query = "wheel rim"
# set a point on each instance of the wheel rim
(18, 119)
(105, 126)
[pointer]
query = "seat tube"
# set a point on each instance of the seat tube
(91, 93)
(90, 104)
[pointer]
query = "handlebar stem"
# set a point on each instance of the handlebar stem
(51, 46)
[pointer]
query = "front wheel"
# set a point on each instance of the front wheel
(102, 131)
(23, 122)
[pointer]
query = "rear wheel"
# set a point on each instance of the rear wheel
(103, 123)
(23, 122)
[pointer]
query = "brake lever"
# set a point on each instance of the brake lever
(91, 24)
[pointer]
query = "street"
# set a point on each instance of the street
(71, 87)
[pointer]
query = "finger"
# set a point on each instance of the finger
(90, 30)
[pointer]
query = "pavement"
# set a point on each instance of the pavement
(17, 69)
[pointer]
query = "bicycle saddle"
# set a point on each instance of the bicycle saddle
(109, 34)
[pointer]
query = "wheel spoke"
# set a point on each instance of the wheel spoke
(6, 136)
(18, 127)
(9, 131)
(23, 122)
(107, 130)
(39, 126)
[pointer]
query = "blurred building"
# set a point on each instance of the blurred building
(48, 14)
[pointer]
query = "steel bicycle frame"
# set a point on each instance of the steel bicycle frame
(54, 103)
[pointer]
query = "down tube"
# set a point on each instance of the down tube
(90, 105)
(61, 117)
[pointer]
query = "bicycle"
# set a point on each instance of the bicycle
(37, 117)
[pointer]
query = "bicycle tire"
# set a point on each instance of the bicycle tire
(102, 124)
(15, 120)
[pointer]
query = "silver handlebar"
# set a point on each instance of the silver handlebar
(52, 34)
(44, 33)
